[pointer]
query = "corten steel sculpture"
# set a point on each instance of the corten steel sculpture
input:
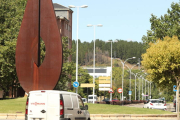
(39, 21)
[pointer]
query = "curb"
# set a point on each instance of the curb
(132, 115)
(12, 116)
(96, 116)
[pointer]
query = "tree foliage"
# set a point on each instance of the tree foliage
(166, 25)
(10, 20)
(162, 61)
(121, 49)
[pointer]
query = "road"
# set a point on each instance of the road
(169, 106)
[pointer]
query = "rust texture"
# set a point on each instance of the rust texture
(39, 20)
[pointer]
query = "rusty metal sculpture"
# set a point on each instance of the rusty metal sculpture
(39, 21)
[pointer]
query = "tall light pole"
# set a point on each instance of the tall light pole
(89, 25)
(130, 79)
(150, 90)
(135, 83)
(145, 89)
(123, 63)
(139, 88)
(142, 86)
(111, 67)
(72, 6)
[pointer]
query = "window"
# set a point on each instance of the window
(67, 26)
(81, 104)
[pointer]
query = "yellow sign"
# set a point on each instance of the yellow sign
(87, 85)
(104, 81)
(104, 78)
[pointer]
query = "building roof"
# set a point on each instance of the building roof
(60, 7)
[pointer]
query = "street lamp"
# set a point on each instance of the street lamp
(111, 66)
(130, 79)
(72, 6)
(145, 88)
(148, 88)
(89, 25)
(123, 72)
(135, 82)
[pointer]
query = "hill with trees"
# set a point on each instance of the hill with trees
(121, 49)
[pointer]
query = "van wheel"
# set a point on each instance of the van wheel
(89, 118)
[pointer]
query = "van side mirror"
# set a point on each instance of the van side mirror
(86, 107)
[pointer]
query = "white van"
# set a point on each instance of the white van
(90, 98)
(55, 105)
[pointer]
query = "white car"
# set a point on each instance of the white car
(155, 104)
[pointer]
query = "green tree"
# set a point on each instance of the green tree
(162, 62)
(166, 25)
(10, 20)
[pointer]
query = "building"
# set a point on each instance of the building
(103, 71)
(64, 21)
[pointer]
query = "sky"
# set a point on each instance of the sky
(121, 19)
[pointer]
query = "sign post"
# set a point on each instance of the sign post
(120, 90)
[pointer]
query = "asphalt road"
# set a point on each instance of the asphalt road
(169, 106)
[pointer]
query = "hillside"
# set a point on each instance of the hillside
(121, 49)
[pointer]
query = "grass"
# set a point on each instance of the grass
(116, 109)
(18, 106)
(13, 105)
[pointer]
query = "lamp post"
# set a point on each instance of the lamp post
(142, 86)
(89, 25)
(135, 74)
(145, 88)
(123, 63)
(130, 79)
(139, 88)
(111, 67)
(150, 90)
(72, 6)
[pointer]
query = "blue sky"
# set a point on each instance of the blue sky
(121, 19)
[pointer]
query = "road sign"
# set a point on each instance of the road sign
(111, 90)
(174, 88)
(104, 89)
(75, 84)
(87, 85)
(130, 92)
(120, 90)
